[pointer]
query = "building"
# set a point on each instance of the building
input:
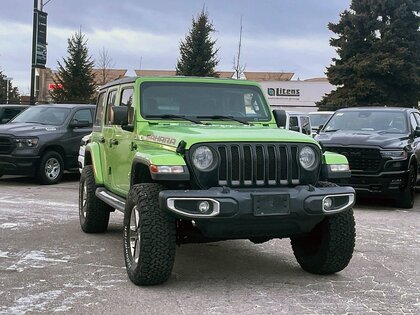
(279, 88)
(296, 95)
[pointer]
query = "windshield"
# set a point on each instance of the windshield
(203, 100)
(384, 121)
(43, 115)
(318, 119)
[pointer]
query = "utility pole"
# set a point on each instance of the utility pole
(34, 31)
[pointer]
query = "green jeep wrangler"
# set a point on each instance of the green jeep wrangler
(202, 160)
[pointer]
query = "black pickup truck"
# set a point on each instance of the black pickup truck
(382, 147)
(44, 140)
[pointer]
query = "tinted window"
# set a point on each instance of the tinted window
(417, 116)
(99, 109)
(110, 102)
(204, 100)
(413, 122)
(383, 121)
(8, 114)
(83, 115)
(306, 126)
(293, 123)
(127, 100)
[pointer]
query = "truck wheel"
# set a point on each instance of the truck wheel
(51, 168)
(93, 212)
(408, 195)
(149, 236)
(329, 247)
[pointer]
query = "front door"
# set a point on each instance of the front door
(122, 151)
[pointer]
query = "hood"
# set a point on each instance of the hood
(26, 129)
(362, 138)
(191, 134)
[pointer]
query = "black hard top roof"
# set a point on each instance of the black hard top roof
(119, 81)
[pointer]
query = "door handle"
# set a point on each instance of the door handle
(113, 142)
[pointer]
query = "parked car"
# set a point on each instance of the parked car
(192, 160)
(382, 145)
(299, 122)
(8, 112)
(318, 119)
(44, 141)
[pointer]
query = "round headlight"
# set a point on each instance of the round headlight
(203, 158)
(307, 158)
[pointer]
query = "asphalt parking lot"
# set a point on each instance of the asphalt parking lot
(48, 265)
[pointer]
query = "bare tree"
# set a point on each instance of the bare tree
(105, 63)
(239, 69)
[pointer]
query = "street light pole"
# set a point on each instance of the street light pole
(32, 96)
(8, 79)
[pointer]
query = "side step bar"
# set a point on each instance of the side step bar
(112, 199)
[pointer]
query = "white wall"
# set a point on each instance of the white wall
(295, 95)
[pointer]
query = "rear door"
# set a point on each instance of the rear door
(104, 131)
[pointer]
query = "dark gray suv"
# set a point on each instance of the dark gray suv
(44, 140)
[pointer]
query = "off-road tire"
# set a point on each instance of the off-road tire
(153, 233)
(52, 176)
(328, 248)
(408, 194)
(93, 212)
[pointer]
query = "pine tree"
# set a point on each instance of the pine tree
(75, 74)
(198, 55)
(14, 97)
(378, 47)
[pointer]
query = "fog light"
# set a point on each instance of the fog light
(204, 206)
(328, 203)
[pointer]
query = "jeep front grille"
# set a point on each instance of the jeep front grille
(6, 145)
(360, 159)
(255, 165)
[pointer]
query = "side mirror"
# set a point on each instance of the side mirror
(417, 132)
(120, 116)
(280, 117)
(79, 124)
(5, 120)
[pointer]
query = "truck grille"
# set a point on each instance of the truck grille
(252, 165)
(6, 145)
(360, 159)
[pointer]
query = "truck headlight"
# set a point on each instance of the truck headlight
(395, 154)
(203, 158)
(308, 158)
(26, 142)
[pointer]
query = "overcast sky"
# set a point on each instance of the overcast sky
(278, 35)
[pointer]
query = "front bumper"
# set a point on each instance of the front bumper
(386, 183)
(16, 165)
(246, 213)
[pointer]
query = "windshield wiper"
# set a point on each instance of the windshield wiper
(331, 130)
(242, 121)
(173, 116)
